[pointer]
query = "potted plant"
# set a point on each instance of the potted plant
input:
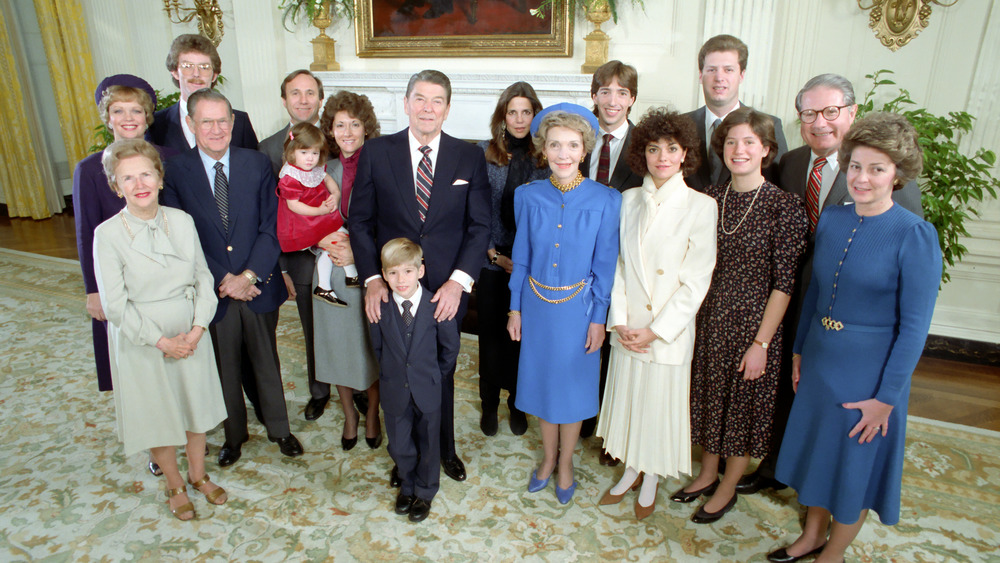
(293, 10)
(952, 182)
(586, 6)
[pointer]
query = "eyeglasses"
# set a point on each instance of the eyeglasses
(209, 124)
(189, 68)
(829, 113)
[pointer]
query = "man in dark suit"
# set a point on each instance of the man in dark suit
(302, 96)
(229, 192)
(826, 108)
(722, 63)
(415, 354)
(431, 188)
(613, 89)
(194, 64)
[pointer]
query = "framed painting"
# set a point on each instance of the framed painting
(461, 28)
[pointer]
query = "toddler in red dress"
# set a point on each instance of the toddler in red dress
(309, 206)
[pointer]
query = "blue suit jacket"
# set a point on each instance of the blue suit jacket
(166, 130)
(416, 370)
(383, 207)
(251, 241)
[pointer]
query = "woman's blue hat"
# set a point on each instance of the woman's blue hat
(570, 108)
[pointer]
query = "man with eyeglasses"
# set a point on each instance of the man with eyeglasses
(194, 64)
(229, 192)
(826, 108)
(722, 64)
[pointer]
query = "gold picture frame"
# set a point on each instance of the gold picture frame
(382, 31)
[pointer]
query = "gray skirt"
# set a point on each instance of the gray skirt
(342, 342)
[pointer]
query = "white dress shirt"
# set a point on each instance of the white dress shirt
(617, 141)
(209, 164)
(828, 175)
(188, 133)
(415, 299)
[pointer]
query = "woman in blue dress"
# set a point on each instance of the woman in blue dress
(564, 255)
(864, 321)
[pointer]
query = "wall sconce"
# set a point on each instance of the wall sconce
(209, 16)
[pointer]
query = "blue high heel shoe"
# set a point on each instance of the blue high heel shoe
(537, 484)
(565, 495)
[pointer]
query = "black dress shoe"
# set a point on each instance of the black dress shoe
(229, 455)
(348, 443)
(705, 517)
(375, 442)
(289, 445)
(351, 282)
(154, 469)
(403, 504)
(587, 428)
(750, 484)
(782, 556)
(419, 509)
(518, 422)
(454, 468)
(606, 459)
(488, 421)
(685, 496)
(394, 480)
(315, 407)
(361, 401)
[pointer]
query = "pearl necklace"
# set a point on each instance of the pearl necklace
(128, 229)
(722, 219)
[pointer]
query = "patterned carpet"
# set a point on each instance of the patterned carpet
(68, 494)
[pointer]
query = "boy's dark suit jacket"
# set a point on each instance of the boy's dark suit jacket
(251, 241)
(383, 207)
(415, 371)
(166, 130)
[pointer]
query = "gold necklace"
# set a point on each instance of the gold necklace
(567, 187)
(828, 322)
(128, 229)
(722, 219)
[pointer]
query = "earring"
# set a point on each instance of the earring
(120, 195)
(161, 187)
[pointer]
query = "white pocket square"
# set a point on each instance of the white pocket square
(461, 183)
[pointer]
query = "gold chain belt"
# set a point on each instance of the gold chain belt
(830, 324)
(578, 286)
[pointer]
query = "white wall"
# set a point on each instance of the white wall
(951, 65)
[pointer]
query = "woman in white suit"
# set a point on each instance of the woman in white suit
(663, 273)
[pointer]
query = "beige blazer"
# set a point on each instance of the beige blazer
(663, 274)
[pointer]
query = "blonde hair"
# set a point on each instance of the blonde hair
(120, 150)
(119, 93)
(570, 121)
(399, 251)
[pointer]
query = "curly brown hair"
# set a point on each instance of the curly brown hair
(193, 43)
(891, 134)
(760, 123)
(357, 106)
(663, 124)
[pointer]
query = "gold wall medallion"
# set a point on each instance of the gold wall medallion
(896, 22)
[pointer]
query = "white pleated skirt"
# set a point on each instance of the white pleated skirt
(645, 418)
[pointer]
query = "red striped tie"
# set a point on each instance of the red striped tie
(604, 161)
(425, 178)
(812, 192)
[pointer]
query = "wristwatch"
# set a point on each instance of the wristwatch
(763, 345)
(251, 276)
(494, 259)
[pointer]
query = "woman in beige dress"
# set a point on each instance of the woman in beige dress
(663, 273)
(158, 295)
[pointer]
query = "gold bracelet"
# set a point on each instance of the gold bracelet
(513, 313)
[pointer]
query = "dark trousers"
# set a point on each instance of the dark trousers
(243, 332)
(448, 393)
(99, 329)
(498, 354)
(299, 266)
(414, 445)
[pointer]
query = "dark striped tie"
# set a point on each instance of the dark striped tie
(407, 315)
(425, 178)
(812, 192)
(604, 161)
(222, 194)
(714, 162)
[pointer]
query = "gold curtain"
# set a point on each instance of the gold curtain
(67, 48)
(22, 150)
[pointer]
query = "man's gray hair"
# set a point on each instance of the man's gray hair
(829, 80)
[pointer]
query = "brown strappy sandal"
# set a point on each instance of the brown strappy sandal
(185, 508)
(212, 496)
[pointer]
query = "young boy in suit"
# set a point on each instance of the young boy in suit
(414, 352)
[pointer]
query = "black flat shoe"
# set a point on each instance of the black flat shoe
(488, 421)
(454, 468)
(289, 445)
(705, 517)
(754, 482)
(315, 407)
(154, 469)
(375, 442)
(328, 296)
(394, 480)
(606, 459)
(782, 556)
(351, 282)
(403, 504)
(419, 509)
(518, 422)
(684, 496)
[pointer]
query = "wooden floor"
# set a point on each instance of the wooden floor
(945, 390)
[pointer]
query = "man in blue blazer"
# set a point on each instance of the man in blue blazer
(447, 212)
(194, 64)
(722, 64)
(229, 192)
